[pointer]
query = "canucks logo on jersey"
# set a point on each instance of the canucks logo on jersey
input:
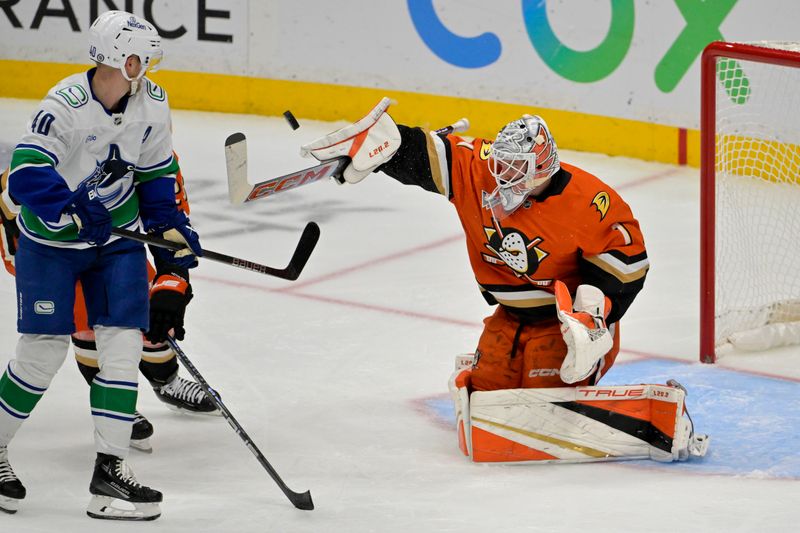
(107, 181)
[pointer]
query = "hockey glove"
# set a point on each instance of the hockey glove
(369, 143)
(90, 216)
(177, 228)
(584, 330)
(169, 296)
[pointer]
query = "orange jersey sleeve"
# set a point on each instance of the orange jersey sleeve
(181, 198)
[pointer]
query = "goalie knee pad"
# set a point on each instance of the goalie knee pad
(574, 424)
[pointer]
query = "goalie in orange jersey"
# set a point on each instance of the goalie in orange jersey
(538, 231)
(169, 294)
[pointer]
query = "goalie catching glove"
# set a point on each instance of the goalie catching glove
(584, 329)
(369, 143)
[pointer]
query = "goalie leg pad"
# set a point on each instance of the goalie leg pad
(459, 391)
(575, 425)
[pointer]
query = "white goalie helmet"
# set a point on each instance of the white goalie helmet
(524, 156)
(116, 35)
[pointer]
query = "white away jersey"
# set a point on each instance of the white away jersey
(88, 146)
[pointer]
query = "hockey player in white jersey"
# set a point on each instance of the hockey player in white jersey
(170, 294)
(97, 155)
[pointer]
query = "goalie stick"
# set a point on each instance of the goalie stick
(240, 190)
(301, 500)
(308, 240)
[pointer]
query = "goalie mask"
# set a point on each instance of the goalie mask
(117, 35)
(524, 156)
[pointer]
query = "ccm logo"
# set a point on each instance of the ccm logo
(543, 372)
(380, 148)
(611, 393)
(44, 307)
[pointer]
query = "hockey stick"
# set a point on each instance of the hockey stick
(308, 240)
(301, 500)
(240, 190)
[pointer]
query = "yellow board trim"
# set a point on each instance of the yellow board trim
(319, 101)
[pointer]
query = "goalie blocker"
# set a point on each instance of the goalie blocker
(573, 424)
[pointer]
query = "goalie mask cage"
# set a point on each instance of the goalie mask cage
(750, 197)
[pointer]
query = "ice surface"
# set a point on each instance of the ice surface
(340, 377)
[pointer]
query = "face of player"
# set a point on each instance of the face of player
(508, 172)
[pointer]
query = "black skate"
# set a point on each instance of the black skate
(186, 396)
(113, 480)
(141, 432)
(11, 490)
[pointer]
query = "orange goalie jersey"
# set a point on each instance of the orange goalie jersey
(577, 230)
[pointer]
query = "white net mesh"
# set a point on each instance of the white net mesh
(757, 194)
(789, 46)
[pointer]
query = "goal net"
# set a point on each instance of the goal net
(750, 197)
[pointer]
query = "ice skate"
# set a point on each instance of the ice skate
(116, 495)
(186, 396)
(141, 432)
(11, 489)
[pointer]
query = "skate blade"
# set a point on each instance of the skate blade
(9, 505)
(215, 412)
(143, 445)
(109, 508)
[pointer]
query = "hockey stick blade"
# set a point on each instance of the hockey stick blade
(306, 244)
(239, 188)
(301, 500)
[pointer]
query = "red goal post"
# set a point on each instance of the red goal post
(750, 197)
